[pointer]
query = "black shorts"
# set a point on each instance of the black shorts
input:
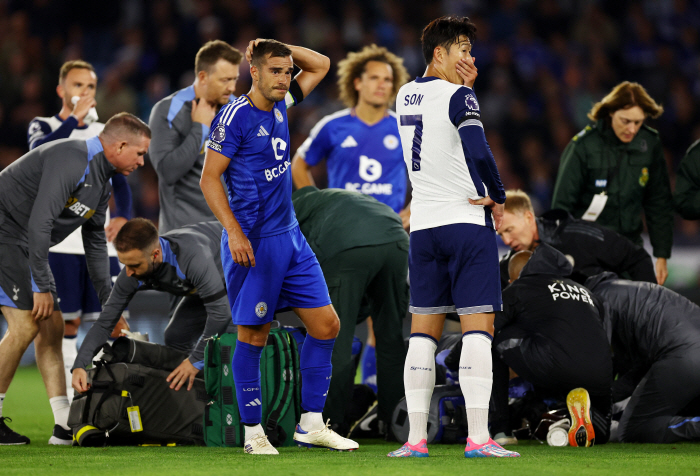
(17, 287)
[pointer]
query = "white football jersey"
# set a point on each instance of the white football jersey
(431, 111)
(42, 126)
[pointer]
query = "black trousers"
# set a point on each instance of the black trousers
(663, 407)
(378, 273)
(552, 372)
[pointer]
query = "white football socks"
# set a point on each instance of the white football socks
(311, 421)
(475, 380)
(419, 381)
(60, 408)
(251, 431)
(70, 352)
(2, 398)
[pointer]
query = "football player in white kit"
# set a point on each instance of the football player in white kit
(457, 207)
(78, 119)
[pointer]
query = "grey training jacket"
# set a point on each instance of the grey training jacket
(177, 154)
(49, 192)
(191, 265)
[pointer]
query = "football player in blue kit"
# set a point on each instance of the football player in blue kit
(361, 146)
(361, 143)
(267, 262)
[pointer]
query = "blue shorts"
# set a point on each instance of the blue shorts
(286, 274)
(76, 294)
(454, 268)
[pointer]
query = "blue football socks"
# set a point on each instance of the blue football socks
(369, 368)
(246, 376)
(316, 369)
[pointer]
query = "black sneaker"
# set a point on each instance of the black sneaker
(9, 437)
(61, 436)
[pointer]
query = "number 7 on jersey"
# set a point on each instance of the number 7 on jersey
(417, 121)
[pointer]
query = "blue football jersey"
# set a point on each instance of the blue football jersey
(258, 178)
(359, 157)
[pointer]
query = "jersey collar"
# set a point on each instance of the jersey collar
(77, 127)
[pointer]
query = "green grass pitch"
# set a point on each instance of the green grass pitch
(27, 404)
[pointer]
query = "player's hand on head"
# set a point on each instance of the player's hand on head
(241, 249)
(43, 306)
(82, 107)
(185, 372)
(203, 112)
(249, 50)
(467, 71)
(496, 209)
(79, 382)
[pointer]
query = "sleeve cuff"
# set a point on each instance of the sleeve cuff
(199, 364)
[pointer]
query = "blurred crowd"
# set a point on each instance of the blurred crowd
(542, 64)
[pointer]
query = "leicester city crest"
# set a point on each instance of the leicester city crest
(261, 309)
(470, 102)
(278, 115)
(391, 142)
(219, 133)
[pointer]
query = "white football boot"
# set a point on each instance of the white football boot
(259, 445)
(323, 438)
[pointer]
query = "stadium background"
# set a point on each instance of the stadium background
(542, 64)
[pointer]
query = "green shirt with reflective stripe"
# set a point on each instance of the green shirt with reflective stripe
(633, 175)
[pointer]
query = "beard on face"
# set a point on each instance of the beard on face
(270, 92)
(148, 273)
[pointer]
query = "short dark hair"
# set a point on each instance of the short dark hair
(274, 48)
(136, 234)
(213, 51)
(125, 123)
(68, 66)
(445, 31)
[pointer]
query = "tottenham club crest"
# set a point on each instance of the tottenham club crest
(261, 309)
(278, 115)
(219, 133)
(470, 102)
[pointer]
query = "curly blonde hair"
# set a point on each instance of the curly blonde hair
(354, 65)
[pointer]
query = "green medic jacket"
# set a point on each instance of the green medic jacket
(633, 175)
(686, 198)
(335, 220)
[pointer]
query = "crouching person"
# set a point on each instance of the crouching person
(183, 262)
(551, 334)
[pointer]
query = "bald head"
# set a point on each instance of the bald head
(517, 263)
